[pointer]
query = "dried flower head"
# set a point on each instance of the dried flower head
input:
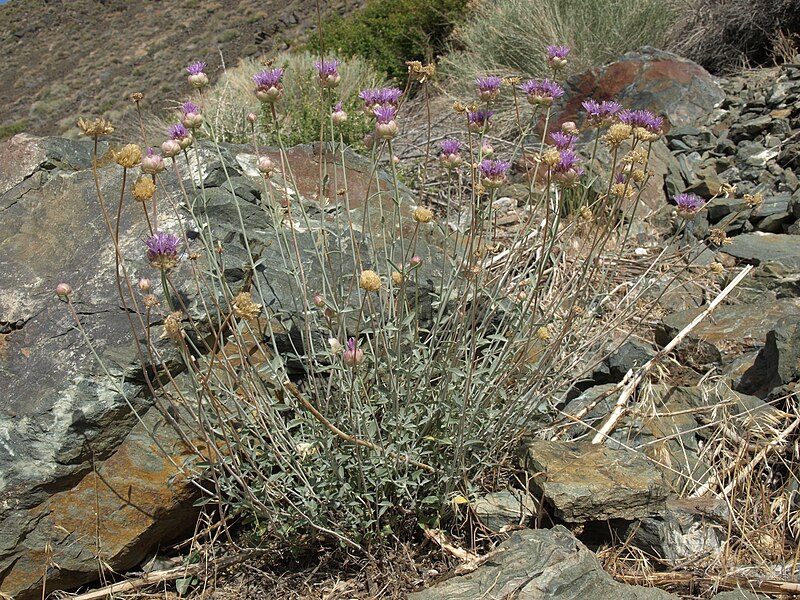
(420, 72)
(543, 333)
(143, 189)
(172, 326)
(617, 134)
(95, 128)
(422, 215)
(397, 278)
(162, 250)
(370, 281)
(727, 189)
(129, 156)
(717, 268)
(754, 200)
(622, 190)
(136, 97)
(550, 157)
(150, 301)
(244, 307)
(718, 237)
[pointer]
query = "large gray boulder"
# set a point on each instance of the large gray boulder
(91, 468)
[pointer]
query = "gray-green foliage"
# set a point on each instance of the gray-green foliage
(302, 109)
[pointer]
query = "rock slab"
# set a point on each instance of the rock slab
(591, 482)
(539, 565)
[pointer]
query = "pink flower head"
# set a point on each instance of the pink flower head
(385, 114)
(541, 93)
(389, 96)
(197, 76)
(180, 134)
(191, 115)
(488, 87)
(339, 116)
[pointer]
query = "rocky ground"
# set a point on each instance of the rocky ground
(693, 492)
(64, 59)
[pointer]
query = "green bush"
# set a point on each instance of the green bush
(8, 130)
(390, 32)
(510, 37)
(302, 109)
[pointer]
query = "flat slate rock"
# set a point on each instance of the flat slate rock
(757, 248)
(591, 482)
(537, 565)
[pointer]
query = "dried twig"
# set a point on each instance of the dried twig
(165, 575)
(439, 537)
(631, 381)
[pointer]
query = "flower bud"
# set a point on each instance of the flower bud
(416, 261)
(144, 285)
(252, 117)
(319, 302)
(152, 164)
(170, 148)
(63, 290)
(265, 166)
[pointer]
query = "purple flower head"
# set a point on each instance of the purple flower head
(327, 68)
(488, 87)
(178, 131)
(162, 250)
(620, 178)
(641, 118)
(561, 140)
(190, 107)
(559, 52)
(493, 172)
(599, 111)
(688, 204)
(450, 146)
(353, 355)
(328, 73)
(389, 96)
(541, 92)
(196, 68)
(477, 120)
(338, 107)
(567, 159)
(268, 78)
(370, 97)
(384, 114)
